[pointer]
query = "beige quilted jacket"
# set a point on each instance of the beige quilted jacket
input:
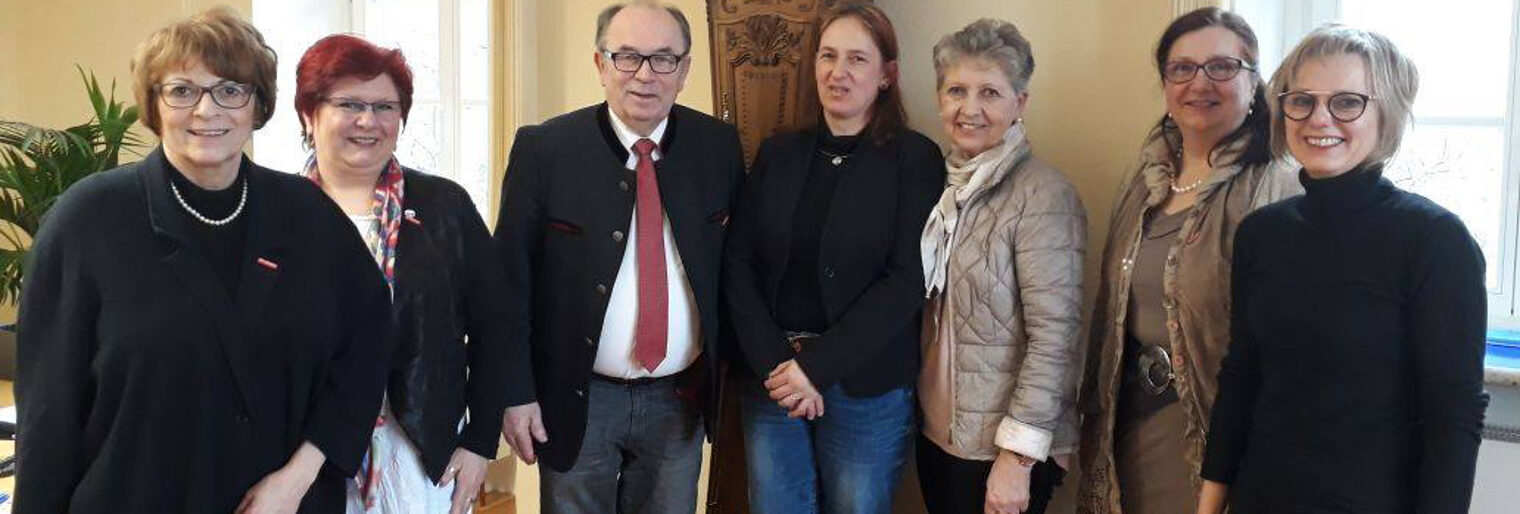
(1014, 280)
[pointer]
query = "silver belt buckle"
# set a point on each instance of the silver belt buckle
(1155, 365)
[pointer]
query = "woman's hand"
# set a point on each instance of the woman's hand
(1007, 485)
(1213, 497)
(281, 492)
(466, 471)
(790, 388)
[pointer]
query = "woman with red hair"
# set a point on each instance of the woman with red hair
(426, 454)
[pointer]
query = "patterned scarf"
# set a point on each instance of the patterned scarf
(965, 178)
(387, 209)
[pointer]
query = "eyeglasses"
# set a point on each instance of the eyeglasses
(630, 62)
(351, 107)
(1218, 70)
(1344, 106)
(184, 95)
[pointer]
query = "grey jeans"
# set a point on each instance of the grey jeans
(642, 454)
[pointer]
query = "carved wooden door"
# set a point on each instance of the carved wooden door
(762, 53)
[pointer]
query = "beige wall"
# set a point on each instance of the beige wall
(10, 74)
(563, 46)
(51, 37)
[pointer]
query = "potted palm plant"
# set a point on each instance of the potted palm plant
(36, 166)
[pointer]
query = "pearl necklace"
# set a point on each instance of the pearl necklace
(243, 200)
(1189, 187)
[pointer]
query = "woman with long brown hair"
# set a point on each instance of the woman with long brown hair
(824, 284)
(1161, 322)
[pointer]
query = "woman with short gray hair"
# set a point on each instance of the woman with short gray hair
(1354, 379)
(1002, 255)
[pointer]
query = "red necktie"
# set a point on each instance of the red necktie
(649, 222)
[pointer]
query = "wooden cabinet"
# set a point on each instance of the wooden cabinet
(762, 62)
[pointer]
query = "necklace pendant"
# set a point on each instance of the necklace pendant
(837, 160)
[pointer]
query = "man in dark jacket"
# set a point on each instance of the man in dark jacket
(611, 226)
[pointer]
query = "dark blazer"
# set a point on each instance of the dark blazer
(449, 287)
(145, 387)
(869, 268)
(565, 203)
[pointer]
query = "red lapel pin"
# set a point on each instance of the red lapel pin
(267, 263)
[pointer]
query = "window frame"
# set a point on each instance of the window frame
(1288, 21)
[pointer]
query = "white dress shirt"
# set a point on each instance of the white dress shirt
(614, 354)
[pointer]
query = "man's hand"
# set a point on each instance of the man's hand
(521, 426)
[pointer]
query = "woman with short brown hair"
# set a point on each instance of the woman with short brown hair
(197, 333)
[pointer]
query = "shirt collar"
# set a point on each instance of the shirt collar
(627, 137)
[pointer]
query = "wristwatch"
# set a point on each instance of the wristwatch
(1023, 460)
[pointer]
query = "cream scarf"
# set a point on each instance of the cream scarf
(965, 179)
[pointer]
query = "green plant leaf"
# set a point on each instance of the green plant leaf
(37, 165)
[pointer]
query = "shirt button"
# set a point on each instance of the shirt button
(590, 341)
(242, 418)
(601, 288)
(580, 392)
(617, 235)
(828, 271)
(623, 185)
(1172, 325)
(1170, 303)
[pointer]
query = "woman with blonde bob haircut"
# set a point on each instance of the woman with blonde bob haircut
(1354, 378)
(197, 333)
(1002, 254)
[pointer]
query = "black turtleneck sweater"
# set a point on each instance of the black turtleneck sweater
(1354, 379)
(222, 244)
(799, 300)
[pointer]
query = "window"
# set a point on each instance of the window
(1461, 150)
(447, 45)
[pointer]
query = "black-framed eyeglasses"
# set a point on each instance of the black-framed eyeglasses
(1344, 106)
(1217, 69)
(630, 62)
(184, 95)
(352, 107)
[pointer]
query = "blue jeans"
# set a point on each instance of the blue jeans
(845, 462)
(642, 455)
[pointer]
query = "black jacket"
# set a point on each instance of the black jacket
(1354, 380)
(449, 288)
(565, 202)
(144, 387)
(869, 267)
